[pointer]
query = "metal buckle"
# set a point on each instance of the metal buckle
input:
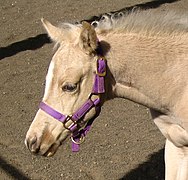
(97, 72)
(81, 139)
(69, 118)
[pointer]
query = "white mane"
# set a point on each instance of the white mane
(145, 22)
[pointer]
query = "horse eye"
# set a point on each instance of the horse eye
(69, 87)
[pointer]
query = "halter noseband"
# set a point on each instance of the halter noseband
(98, 88)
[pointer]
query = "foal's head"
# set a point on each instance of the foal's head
(69, 83)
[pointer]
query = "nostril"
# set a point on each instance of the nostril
(32, 144)
(33, 140)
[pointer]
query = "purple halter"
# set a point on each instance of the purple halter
(98, 88)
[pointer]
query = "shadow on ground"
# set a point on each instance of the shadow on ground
(153, 169)
(11, 170)
(31, 43)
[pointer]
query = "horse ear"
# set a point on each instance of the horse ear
(88, 38)
(54, 32)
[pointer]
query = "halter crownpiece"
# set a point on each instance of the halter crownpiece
(75, 118)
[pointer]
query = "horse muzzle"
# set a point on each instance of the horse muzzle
(46, 141)
(38, 147)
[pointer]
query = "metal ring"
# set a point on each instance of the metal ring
(81, 140)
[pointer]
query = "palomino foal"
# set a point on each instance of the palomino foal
(146, 61)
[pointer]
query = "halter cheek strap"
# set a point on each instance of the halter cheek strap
(98, 88)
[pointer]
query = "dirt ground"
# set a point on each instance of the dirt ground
(123, 143)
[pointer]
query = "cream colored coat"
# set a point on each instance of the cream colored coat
(147, 55)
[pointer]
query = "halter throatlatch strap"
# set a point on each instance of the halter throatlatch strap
(99, 86)
(73, 120)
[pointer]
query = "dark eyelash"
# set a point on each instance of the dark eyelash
(69, 87)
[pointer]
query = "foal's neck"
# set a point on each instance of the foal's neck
(123, 62)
